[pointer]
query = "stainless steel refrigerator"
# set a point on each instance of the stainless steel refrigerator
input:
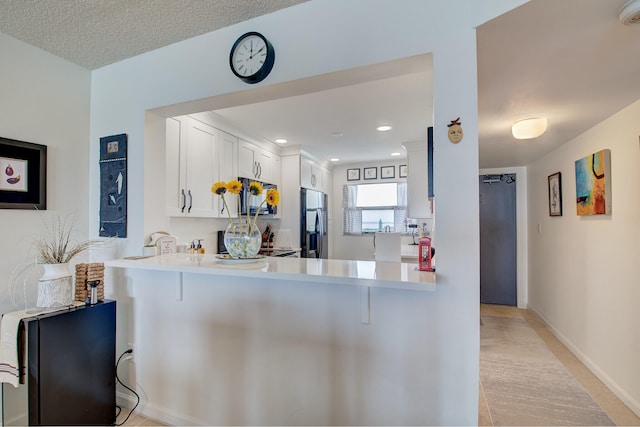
(314, 236)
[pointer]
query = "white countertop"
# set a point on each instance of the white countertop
(340, 272)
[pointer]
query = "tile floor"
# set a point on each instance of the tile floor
(614, 408)
(136, 420)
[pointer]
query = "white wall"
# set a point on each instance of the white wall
(45, 100)
(583, 277)
(197, 69)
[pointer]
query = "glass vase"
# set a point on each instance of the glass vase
(242, 239)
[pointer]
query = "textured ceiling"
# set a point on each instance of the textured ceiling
(95, 33)
(571, 61)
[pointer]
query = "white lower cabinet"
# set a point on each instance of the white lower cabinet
(197, 156)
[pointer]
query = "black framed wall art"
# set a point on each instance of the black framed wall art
(387, 172)
(23, 175)
(370, 173)
(555, 194)
(353, 174)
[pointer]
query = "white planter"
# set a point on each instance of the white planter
(55, 287)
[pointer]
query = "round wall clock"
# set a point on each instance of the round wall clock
(251, 58)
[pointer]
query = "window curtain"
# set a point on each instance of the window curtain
(400, 211)
(352, 216)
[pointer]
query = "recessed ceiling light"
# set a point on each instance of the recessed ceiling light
(335, 159)
(281, 141)
(395, 153)
(384, 128)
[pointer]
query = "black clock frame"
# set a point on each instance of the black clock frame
(266, 68)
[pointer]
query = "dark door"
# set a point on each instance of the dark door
(498, 239)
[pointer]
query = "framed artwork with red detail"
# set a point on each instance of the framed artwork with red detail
(23, 175)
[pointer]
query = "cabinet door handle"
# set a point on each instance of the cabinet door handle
(255, 169)
(190, 201)
(313, 180)
(259, 170)
(184, 201)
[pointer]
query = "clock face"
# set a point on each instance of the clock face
(251, 57)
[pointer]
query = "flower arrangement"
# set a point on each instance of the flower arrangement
(243, 239)
(255, 188)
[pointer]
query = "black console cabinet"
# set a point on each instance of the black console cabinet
(71, 366)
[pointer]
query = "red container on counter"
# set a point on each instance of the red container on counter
(424, 254)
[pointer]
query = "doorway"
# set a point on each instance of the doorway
(498, 243)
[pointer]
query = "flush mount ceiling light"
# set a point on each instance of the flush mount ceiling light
(529, 128)
(281, 141)
(630, 12)
(334, 159)
(384, 128)
(394, 154)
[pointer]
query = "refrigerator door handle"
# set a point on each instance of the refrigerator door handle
(320, 231)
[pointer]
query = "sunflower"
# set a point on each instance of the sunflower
(255, 188)
(219, 188)
(273, 197)
(234, 187)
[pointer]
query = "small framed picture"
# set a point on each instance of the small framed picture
(402, 171)
(387, 172)
(23, 175)
(555, 194)
(370, 173)
(353, 174)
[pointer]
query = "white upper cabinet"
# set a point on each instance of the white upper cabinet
(256, 163)
(418, 204)
(227, 171)
(175, 164)
(197, 156)
(311, 175)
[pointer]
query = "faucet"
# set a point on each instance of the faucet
(387, 229)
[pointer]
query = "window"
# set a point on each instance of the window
(368, 208)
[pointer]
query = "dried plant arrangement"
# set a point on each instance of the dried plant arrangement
(58, 246)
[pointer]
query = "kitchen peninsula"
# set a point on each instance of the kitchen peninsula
(286, 341)
(305, 270)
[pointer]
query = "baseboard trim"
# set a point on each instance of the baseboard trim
(620, 393)
(153, 412)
